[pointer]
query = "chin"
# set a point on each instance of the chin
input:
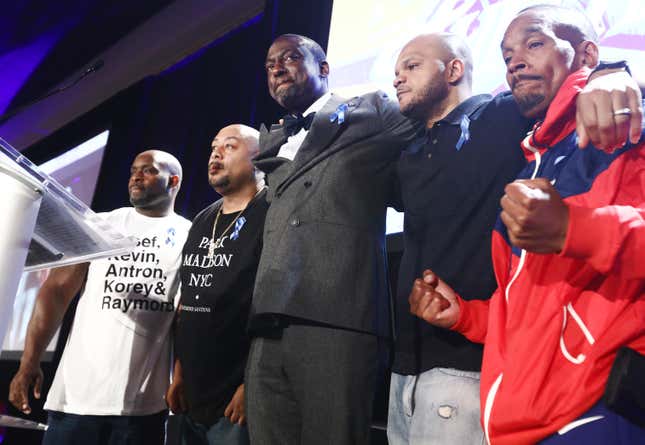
(531, 105)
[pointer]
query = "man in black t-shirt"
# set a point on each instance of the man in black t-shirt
(218, 270)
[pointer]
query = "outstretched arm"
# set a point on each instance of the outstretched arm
(52, 301)
(437, 303)
(610, 238)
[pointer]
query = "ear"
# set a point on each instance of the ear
(455, 70)
(324, 69)
(173, 181)
(587, 54)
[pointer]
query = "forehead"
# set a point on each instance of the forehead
(286, 44)
(227, 134)
(524, 25)
(144, 159)
(423, 48)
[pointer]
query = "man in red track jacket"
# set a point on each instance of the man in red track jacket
(568, 253)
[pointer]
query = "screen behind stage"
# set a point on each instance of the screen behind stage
(366, 36)
(77, 169)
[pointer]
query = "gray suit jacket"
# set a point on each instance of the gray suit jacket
(323, 256)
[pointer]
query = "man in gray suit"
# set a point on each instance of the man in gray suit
(321, 299)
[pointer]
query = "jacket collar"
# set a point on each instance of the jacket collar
(560, 118)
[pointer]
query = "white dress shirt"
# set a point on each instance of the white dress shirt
(291, 147)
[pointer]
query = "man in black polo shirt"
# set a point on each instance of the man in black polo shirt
(219, 264)
(452, 178)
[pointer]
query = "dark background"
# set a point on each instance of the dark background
(178, 110)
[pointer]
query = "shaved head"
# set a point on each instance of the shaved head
(155, 178)
(447, 46)
(230, 167)
(433, 74)
(249, 135)
(166, 160)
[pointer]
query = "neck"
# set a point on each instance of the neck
(154, 212)
(455, 96)
(237, 200)
(301, 108)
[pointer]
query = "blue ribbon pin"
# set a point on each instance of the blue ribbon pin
(339, 115)
(465, 132)
(238, 226)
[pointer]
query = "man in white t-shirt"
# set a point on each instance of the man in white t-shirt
(110, 384)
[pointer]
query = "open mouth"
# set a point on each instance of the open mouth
(214, 168)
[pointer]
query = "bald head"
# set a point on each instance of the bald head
(155, 178)
(433, 75)
(230, 166)
(446, 47)
(166, 160)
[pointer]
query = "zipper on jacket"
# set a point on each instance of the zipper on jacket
(490, 398)
(492, 392)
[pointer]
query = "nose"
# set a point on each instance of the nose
(398, 79)
(136, 175)
(216, 153)
(516, 63)
(277, 69)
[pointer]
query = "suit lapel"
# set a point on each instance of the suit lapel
(320, 134)
(319, 141)
(270, 143)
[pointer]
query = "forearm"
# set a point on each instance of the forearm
(177, 373)
(52, 302)
(473, 320)
(610, 239)
(47, 316)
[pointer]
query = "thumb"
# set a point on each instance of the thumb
(430, 278)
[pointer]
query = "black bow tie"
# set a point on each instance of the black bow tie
(293, 124)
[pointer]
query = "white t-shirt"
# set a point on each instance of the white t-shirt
(117, 357)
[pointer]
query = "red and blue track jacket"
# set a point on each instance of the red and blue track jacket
(554, 325)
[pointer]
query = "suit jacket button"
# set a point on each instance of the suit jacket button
(307, 184)
(295, 222)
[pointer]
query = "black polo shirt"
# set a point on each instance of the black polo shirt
(452, 178)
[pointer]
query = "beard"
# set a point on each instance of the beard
(528, 103)
(426, 102)
(219, 182)
(146, 199)
(292, 97)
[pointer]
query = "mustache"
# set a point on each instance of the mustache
(520, 77)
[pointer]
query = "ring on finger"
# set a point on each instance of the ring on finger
(623, 112)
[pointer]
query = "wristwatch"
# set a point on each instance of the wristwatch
(604, 65)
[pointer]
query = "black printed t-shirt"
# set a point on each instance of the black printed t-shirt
(211, 341)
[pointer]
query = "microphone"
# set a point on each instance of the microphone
(91, 69)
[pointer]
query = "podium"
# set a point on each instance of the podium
(42, 225)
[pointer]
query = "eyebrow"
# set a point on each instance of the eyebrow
(282, 53)
(235, 138)
(526, 33)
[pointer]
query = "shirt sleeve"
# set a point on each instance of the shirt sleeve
(473, 319)
(610, 239)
